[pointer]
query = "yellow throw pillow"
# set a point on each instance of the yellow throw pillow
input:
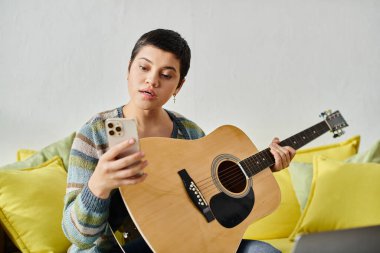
(282, 221)
(301, 167)
(31, 204)
(339, 151)
(23, 154)
(343, 195)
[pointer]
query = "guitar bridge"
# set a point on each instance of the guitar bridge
(196, 195)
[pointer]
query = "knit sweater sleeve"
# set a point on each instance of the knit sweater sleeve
(85, 215)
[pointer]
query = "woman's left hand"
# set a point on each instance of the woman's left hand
(282, 155)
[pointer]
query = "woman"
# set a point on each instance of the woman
(157, 69)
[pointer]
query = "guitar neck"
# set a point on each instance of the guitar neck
(264, 159)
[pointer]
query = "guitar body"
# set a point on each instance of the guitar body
(166, 215)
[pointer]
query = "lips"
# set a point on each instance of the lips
(148, 93)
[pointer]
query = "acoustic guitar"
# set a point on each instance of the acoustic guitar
(201, 195)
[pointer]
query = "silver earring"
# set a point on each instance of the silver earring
(174, 98)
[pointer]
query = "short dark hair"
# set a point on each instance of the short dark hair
(169, 41)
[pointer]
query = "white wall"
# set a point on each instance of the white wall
(269, 67)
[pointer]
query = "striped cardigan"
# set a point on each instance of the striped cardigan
(85, 215)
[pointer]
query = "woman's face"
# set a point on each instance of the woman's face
(153, 78)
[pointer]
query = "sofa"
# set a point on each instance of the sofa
(325, 188)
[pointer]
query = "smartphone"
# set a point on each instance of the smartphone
(119, 130)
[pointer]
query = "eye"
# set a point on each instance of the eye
(143, 68)
(166, 76)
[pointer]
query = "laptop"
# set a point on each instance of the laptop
(356, 240)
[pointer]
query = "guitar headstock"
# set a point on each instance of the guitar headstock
(335, 121)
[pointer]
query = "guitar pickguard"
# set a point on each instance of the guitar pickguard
(229, 211)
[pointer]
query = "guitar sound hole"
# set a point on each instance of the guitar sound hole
(231, 177)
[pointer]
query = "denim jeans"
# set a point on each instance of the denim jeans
(246, 246)
(252, 246)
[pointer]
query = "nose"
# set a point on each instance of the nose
(152, 80)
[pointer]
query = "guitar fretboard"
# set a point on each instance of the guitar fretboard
(264, 159)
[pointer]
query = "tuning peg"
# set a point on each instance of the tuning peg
(338, 133)
(325, 113)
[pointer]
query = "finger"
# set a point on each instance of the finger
(283, 159)
(135, 180)
(292, 152)
(132, 171)
(113, 152)
(277, 158)
(283, 155)
(276, 140)
(283, 152)
(127, 161)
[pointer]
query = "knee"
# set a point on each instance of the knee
(253, 246)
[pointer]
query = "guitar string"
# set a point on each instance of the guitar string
(234, 181)
(235, 177)
(222, 174)
(231, 184)
(309, 137)
(237, 173)
(264, 152)
(226, 173)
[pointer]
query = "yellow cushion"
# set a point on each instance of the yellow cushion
(283, 220)
(23, 154)
(339, 151)
(301, 175)
(343, 195)
(31, 204)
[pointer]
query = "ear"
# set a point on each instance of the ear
(180, 84)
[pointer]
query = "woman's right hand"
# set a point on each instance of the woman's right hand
(113, 172)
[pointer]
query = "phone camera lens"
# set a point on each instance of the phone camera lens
(110, 125)
(111, 132)
(118, 129)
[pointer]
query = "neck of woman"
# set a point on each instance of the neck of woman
(149, 122)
